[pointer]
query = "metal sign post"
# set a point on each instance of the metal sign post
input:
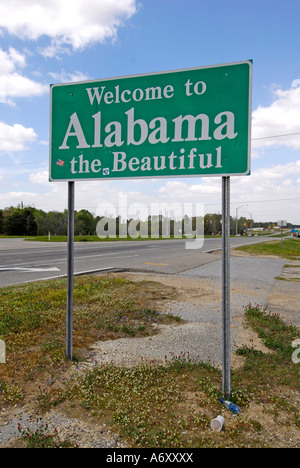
(70, 286)
(282, 223)
(226, 319)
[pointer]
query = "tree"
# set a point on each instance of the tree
(212, 224)
(1, 222)
(53, 221)
(19, 221)
(29, 221)
(84, 222)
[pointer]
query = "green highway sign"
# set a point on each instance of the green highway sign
(185, 123)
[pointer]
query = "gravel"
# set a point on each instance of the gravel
(72, 429)
(252, 279)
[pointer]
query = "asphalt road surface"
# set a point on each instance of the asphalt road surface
(23, 261)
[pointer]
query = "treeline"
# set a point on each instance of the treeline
(29, 221)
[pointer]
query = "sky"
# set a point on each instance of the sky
(45, 42)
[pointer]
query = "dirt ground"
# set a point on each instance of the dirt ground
(284, 298)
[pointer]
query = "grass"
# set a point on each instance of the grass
(277, 366)
(83, 238)
(150, 405)
(86, 238)
(171, 405)
(32, 317)
(290, 249)
(5, 236)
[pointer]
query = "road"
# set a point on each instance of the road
(22, 261)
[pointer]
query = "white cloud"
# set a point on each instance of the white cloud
(14, 138)
(12, 83)
(76, 23)
(174, 187)
(14, 198)
(184, 192)
(271, 193)
(64, 77)
(39, 178)
(282, 117)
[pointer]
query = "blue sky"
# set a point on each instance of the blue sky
(43, 42)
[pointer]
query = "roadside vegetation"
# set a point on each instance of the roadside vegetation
(289, 250)
(107, 239)
(27, 221)
(167, 404)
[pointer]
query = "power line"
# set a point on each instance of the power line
(267, 201)
(23, 164)
(256, 201)
(275, 136)
(206, 204)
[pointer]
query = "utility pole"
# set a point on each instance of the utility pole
(237, 217)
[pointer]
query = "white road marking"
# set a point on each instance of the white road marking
(29, 270)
